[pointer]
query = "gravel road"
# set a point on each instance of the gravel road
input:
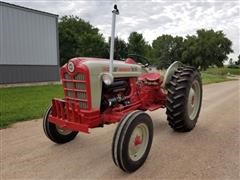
(210, 151)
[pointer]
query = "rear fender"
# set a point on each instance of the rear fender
(170, 71)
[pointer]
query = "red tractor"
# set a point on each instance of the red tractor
(102, 91)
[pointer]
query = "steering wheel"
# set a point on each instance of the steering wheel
(140, 59)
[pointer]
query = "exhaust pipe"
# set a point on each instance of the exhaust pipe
(108, 78)
(115, 12)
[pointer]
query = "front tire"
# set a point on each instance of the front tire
(132, 141)
(54, 132)
(184, 99)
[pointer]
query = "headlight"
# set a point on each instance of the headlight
(107, 78)
(70, 66)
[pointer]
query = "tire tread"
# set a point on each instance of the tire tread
(177, 88)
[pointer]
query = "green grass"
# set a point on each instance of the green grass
(223, 71)
(25, 103)
(216, 75)
(211, 78)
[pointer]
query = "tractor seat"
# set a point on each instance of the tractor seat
(130, 61)
(149, 77)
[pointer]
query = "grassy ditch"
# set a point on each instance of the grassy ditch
(216, 75)
(212, 78)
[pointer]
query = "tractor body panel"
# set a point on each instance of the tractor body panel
(89, 103)
(96, 68)
(100, 66)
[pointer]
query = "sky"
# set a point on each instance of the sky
(152, 18)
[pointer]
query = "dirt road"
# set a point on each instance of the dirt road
(210, 151)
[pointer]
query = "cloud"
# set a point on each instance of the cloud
(152, 18)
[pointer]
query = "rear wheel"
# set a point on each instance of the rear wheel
(184, 99)
(56, 133)
(132, 141)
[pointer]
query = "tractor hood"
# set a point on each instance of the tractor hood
(97, 66)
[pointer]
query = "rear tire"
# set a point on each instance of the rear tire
(55, 133)
(132, 141)
(184, 99)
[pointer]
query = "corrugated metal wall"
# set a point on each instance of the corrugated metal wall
(27, 37)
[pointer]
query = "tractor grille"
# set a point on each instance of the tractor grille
(80, 77)
(75, 88)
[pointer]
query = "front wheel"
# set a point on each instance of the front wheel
(56, 133)
(132, 141)
(184, 99)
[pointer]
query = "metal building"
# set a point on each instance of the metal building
(28, 45)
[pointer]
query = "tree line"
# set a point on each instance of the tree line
(207, 48)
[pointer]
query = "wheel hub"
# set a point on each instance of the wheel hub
(63, 131)
(194, 100)
(138, 142)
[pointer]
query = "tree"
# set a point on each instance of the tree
(79, 38)
(120, 48)
(137, 44)
(167, 49)
(238, 61)
(206, 49)
(150, 55)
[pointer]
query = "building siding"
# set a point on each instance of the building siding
(28, 38)
(28, 73)
(28, 41)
